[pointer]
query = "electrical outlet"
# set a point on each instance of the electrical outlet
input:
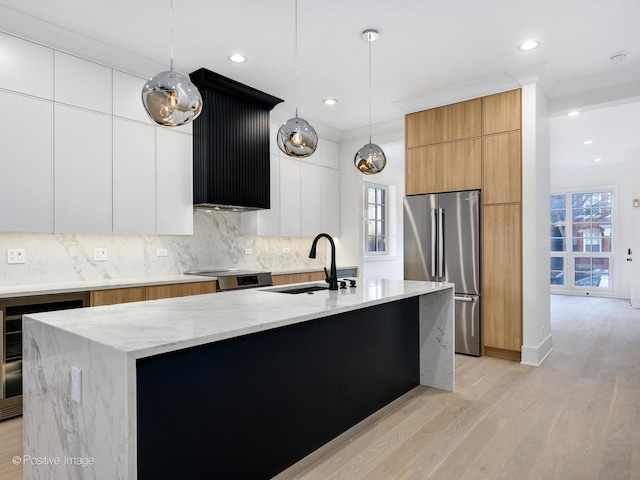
(76, 384)
(15, 255)
(100, 254)
(286, 250)
(162, 252)
(248, 251)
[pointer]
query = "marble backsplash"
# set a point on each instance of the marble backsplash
(216, 243)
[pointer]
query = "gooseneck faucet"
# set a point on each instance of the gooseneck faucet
(332, 276)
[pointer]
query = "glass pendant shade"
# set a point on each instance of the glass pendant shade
(170, 99)
(296, 138)
(370, 159)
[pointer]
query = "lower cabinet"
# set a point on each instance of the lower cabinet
(180, 290)
(297, 278)
(502, 280)
(287, 278)
(151, 292)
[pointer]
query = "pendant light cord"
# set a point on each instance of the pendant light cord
(296, 49)
(369, 41)
(171, 34)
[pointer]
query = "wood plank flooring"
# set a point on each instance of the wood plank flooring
(576, 416)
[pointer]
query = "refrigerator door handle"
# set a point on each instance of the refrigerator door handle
(440, 242)
(433, 242)
(465, 299)
(468, 300)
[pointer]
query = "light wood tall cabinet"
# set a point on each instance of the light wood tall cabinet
(502, 168)
(477, 145)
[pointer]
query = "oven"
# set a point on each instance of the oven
(11, 312)
(236, 279)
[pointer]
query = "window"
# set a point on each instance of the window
(375, 219)
(583, 262)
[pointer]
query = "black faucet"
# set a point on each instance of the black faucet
(332, 276)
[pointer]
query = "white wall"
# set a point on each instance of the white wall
(621, 179)
(350, 244)
(634, 221)
(536, 316)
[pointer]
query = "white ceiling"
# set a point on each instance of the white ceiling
(426, 50)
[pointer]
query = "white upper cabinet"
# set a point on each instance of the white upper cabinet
(305, 195)
(289, 197)
(127, 97)
(326, 154)
(174, 164)
(83, 181)
(26, 165)
(26, 67)
(134, 177)
(82, 83)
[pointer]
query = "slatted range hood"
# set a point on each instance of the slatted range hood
(231, 144)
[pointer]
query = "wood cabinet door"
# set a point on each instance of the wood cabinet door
(462, 120)
(501, 112)
(423, 170)
(423, 128)
(501, 168)
(462, 165)
(116, 295)
(155, 292)
(502, 277)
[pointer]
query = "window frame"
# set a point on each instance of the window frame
(570, 255)
(366, 219)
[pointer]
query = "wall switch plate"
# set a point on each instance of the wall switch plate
(248, 251)
(162, 252)
(100, 254)
(76, 384)
(286, 250)
(15, 255)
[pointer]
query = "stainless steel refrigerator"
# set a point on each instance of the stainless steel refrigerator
(442, 244)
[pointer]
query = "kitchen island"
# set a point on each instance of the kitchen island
(228, 385)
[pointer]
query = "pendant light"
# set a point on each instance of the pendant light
(297, 138)
(169, 98)
(370, 159)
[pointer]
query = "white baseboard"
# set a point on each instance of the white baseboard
(534, 356)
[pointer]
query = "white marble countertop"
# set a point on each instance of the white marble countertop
(9, 291)
(153, 327)
(88, 285)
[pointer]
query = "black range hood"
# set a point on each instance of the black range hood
(231, 144)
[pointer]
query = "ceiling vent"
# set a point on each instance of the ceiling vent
(231, 144)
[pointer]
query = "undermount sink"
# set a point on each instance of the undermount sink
(299, 289)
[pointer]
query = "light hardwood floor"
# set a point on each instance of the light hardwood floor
(575, 417)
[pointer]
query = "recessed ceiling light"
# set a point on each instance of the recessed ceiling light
(330, 101)
(588, 142)
(575, 113)
(597, 159)
(528, 45)
(237, 58)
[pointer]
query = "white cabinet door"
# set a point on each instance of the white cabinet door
(82, 83)
(26, 165)
(134, 177)
(127, 97)
(311, 177)
(331, 201)
(82, 179)
(174, 166)
(289, 197)
(320, 202)
(26, 67)
(326, 154)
